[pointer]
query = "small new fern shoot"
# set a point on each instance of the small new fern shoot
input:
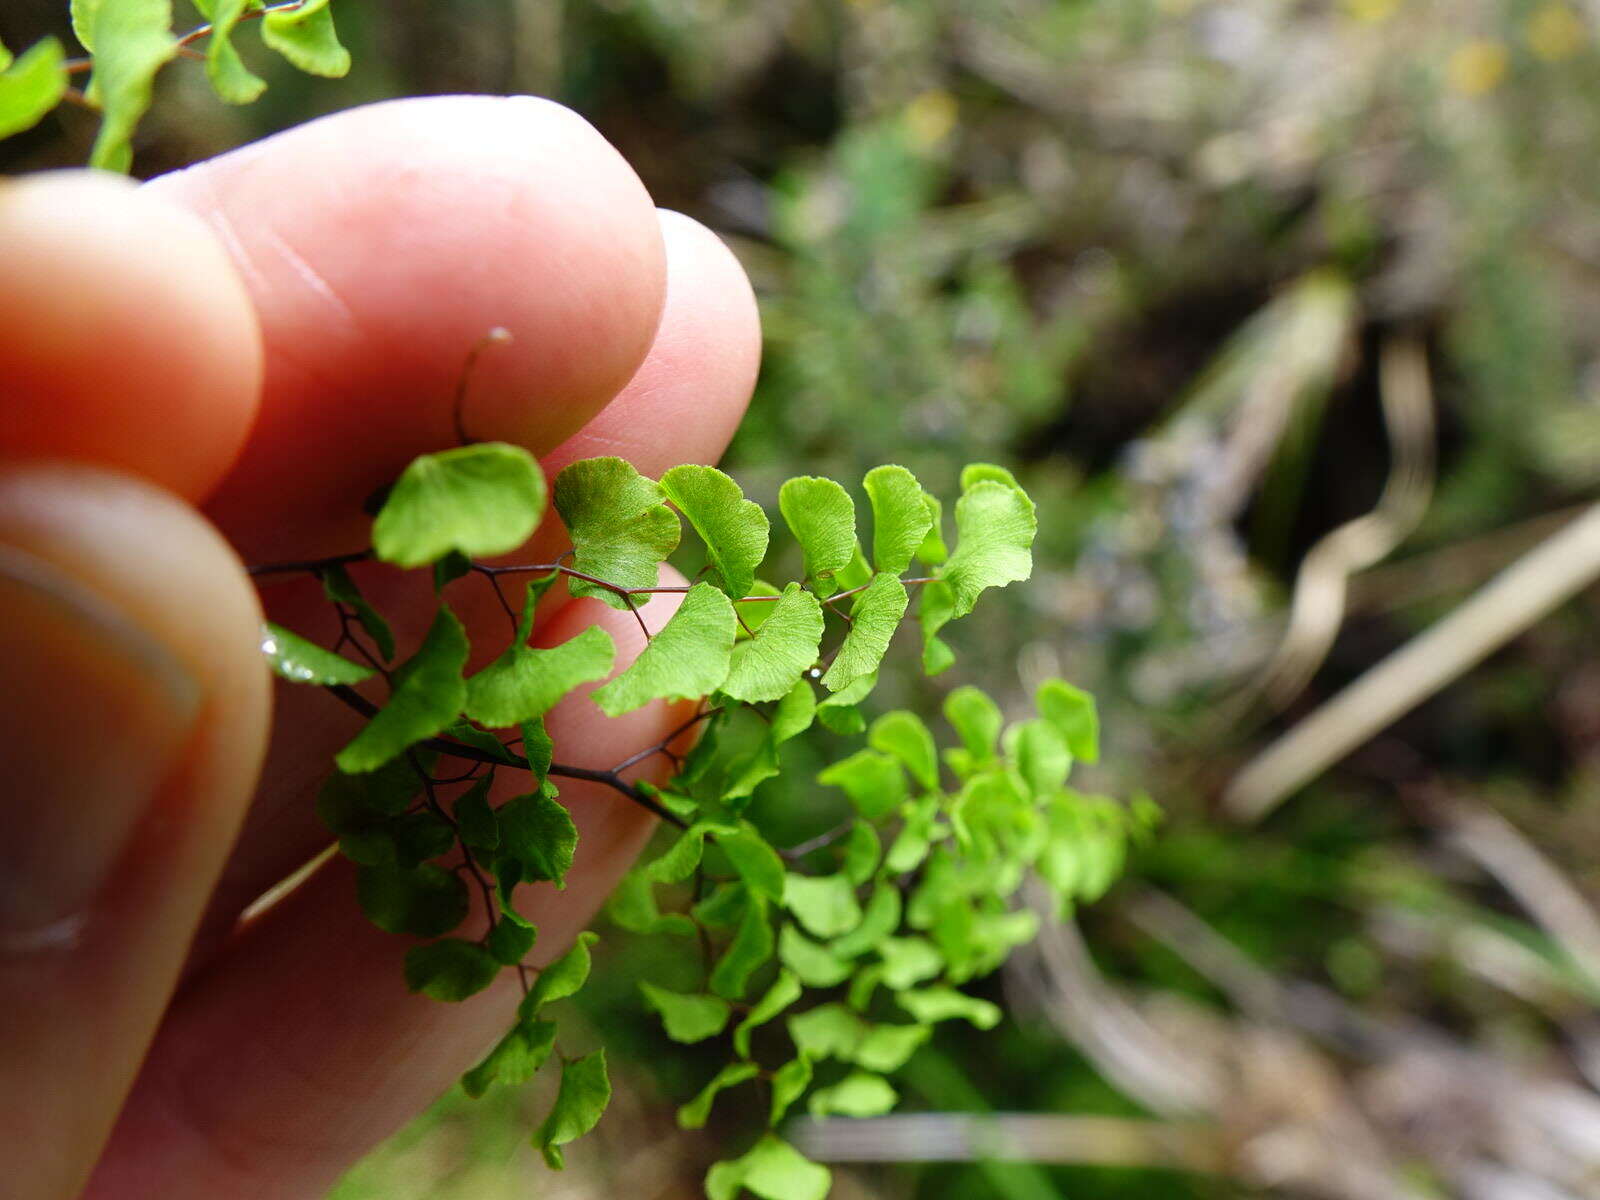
(857, 941)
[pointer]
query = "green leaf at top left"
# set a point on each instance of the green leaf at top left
(302, 661)
(734, 529)
(428, 694)
(133, 40)
(482, 499)
(31, 86)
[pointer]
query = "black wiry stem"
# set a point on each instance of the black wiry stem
(309, 565)
(611, 779)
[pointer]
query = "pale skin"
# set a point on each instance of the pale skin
(214, 370)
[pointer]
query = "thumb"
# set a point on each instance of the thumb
(133, 713)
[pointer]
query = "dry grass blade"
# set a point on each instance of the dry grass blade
(1521, 595)
(1319, 604)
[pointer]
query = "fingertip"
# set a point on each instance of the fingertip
(127, 339)
(133, 713)
(380, 245)
(688, 396)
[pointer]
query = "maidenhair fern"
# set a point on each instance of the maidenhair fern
(128, 42)
(824, 965)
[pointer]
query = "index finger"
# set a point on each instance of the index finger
(379, 246)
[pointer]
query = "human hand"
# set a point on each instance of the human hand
(267, 338)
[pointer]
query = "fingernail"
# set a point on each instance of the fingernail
(94, 713)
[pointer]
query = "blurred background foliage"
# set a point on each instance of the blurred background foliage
(1288, 314)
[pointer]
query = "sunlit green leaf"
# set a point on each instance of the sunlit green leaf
(976, 720)
(681, 860)
(733, 529)
(943, 1004)
(785, 990)
(31, 86)
(768, 665)
(538, 834)
(482, 499)
(900, 518)
(789, 1083)
(306, 37)
(857, 573)
(1040, 755)
(878, 921)
(585, 1092)
(888, 1047)
(933, 551)
(858, 1094)
(560, 979)
(298, 660)
(903, 735)
(525, 683)
(827, 1031)
(751, 947)
(838, 712)
(753, 858)
(620, 527)
(874, 782)
(688, 659)
(1072, 712)
(83, 13)
(753, 614)
(232, 80)
(694, 1114)
(975, 473)
(133, 40)
(515, 1059)
(773, 1170)
(813, 965)
(908, 961)
(822, 518)
(874, 618)
(826, 905)
(995, 527)
(862, 852)
(687, 1018)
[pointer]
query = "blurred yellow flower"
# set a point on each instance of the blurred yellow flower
(1371, 11)
(1478, 66)
(929, 118)
(1555, 32)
